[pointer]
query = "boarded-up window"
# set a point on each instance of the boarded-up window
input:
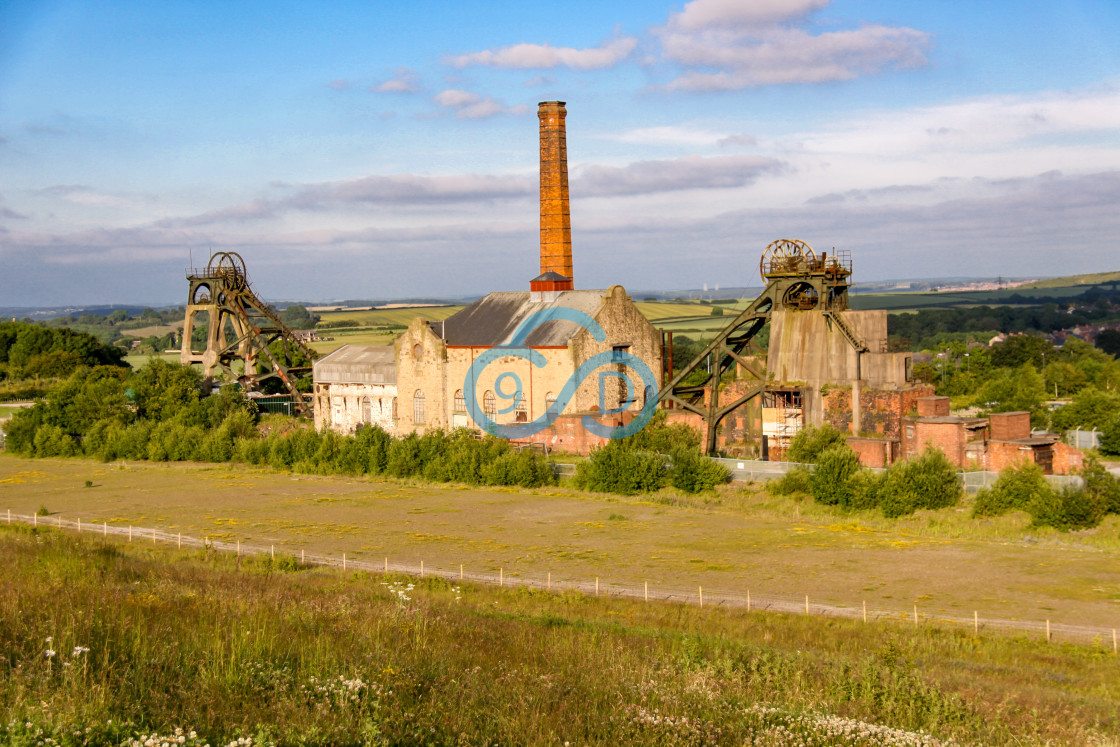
(395, 415)
(489, 407)
(418, 415)
(367, 410)
(460, 402)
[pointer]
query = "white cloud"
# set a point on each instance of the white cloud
(469, 105)
(688, 173)
(667, 135)
(705, 14)
(404, 81)
(726, 45)
(522, 56)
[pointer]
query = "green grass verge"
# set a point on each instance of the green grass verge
(147, 640)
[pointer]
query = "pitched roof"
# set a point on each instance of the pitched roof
(358, 364)
(493, 320)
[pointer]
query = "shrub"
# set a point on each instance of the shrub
(809, 443)
(662, 438)
(1101, 484)
(866, 489)
(524, 468)
(794, 481)
(927, 481)
(1110, 437)
(615, 468)
(404, 457)
(1018, 488)
(692, 472)
(830, 479)
(376, 443)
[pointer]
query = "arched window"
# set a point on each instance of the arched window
(367, 410)
(418, 408)
(549, 400)
(489, 408)
(460, 402)
(522, 412)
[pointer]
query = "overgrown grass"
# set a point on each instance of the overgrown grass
(147, 640)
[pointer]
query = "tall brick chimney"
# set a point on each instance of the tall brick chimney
(556, 221)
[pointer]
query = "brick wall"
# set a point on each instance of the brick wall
(1008, 426)
(950, 437)
(881, 410)
(932, 407)
(874, 452)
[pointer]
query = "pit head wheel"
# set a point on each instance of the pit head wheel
(229, 265)
(785, 256)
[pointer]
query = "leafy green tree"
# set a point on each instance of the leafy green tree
(163, 390)
(1110, 437)
(810, 442)
(1013, 390)
(1018, 350)
(1090, 408)
(1108, 340)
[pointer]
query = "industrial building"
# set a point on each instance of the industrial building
(420, 382)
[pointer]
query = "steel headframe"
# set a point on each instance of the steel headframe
(242, 328)
(796, 279)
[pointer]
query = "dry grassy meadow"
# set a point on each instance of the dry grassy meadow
(945, 562)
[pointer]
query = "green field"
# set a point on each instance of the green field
(110, 642)
(376, 317)
(742, 539)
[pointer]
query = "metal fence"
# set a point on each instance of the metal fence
(740, 599)
(1084, 439)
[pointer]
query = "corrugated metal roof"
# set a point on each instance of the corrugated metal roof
(358, 364)
(492, 320)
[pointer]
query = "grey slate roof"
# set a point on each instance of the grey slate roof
(492, 320)
(358, 364)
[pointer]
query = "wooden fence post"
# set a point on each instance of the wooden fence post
(748, 600)
(460, 571)
(344, 561)
(501, 576)
(806, 604)
(975, 623)
(865, 610)
(1047, 631)
(647, 591)
(272, 551)
(1114, 641)
(129, 532)
(596, 586)
(915, 614)
(180, 540)
(550, 580)
(701, 588)
(79, 525)
(104, 528)
(421, 569)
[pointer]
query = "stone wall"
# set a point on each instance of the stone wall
(345, 407)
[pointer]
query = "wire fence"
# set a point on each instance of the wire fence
(1101, 637)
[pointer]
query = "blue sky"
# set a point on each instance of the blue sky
(384, 150)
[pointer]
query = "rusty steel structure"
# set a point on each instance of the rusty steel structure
(796, 278)
(245, 338)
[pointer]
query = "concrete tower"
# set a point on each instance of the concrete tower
(556, 220)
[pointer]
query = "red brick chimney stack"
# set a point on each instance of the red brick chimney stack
(556, 220)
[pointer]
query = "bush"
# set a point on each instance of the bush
(1018, 488)
(830, 480)
(615, 468)
(809, 443)
(692, 472)
(404, 457)
(662, 438)
(794, 481)
(866, 490)
(525, 468)
(927, 481)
